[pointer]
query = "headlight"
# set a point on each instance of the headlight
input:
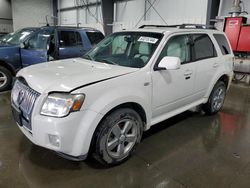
(60, 104)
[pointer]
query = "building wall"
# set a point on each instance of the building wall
(5, 16)
(130, 14)
(30, 13)
(83, 17)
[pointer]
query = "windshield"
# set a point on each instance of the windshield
(130, 49)
(17, 37)
(5, 37)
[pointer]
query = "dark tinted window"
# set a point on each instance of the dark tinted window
(95, 37)
(70, 39)
(203, 47)
(78, 39)
(177, 46)
(222, 42)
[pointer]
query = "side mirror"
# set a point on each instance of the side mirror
(169, 63)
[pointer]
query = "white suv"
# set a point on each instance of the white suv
(102, 103)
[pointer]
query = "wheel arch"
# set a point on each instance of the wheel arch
(133, 105)
(224, 78)
(9, 67)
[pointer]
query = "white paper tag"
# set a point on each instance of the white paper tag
(148, 40)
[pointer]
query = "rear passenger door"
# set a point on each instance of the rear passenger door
(70, 44)
(204, 56)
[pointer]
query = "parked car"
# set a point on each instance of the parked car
(30, 46)
(101, 104)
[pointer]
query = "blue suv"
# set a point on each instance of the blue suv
(30, 46)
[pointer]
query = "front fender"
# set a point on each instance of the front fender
(118, 96)
(105, 103)
(10, 55)
(104, 96)
(9, 66)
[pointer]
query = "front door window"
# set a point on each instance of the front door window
(39, 41)
(177, 46)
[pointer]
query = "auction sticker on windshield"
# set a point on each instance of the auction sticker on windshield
(148, 40)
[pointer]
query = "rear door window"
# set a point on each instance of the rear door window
(94, 37)
(223, 44)
(203, 47)
(70, 39)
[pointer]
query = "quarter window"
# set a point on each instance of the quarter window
(203, 47)
(70, 39)
(223, 44)
(177, 46)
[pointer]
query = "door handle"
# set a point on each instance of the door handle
(188, 73)
(215, 65)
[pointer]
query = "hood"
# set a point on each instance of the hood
(66, 75)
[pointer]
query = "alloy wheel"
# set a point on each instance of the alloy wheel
(121, 138)
(218, 98)
(3, 79)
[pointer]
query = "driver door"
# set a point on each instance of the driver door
(173, 89)
(35, 48)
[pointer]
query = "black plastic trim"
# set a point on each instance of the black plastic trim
(72, 158)
(156, 68)
(182, 26)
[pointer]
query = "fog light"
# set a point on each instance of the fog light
(54, 140)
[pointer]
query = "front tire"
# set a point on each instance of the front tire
(216, 99)
(5, 79)
(117, 136)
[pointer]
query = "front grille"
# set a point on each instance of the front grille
(23, 99)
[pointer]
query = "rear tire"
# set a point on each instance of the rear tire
(216, 99)
(117, 136)
(5, 79)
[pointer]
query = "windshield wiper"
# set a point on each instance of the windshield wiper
(108, 61)
(86, 56)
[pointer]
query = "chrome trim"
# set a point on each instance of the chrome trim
(24, 98)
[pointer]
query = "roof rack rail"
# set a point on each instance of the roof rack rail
(182, 26)
(196, 26)
(143, 26)
(73, 27)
